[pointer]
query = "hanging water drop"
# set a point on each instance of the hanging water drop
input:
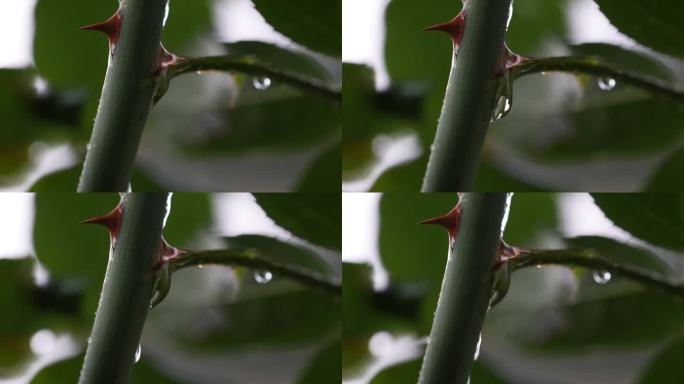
(166, 13)
(263, 276)
(601, 277)
(477, 348)
(138, 352)
(261, 82)
(504, 98)
(606, 83)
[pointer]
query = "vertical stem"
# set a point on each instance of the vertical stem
(126, 98)
(126, 292)
(466, 288)
(469, 100)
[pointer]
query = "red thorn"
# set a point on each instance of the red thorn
(453, 28)
(111, 221)
(508, 60)
(167, 252)
(110, 27)
(165, 59)
(450, 221)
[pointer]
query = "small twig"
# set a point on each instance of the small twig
(251, 260)
(590, 258)
(250, 65)
(594, 66)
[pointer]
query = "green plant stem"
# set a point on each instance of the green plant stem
(126, 98)
(250, 260)
(589, 258)
(126, 292)
(465, 293)
(248, 64)
(469, 100)
(596, 68)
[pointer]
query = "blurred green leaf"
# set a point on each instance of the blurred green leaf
(65, 247)
(531, 217)
(402, 178)
(313, 23)
(316, 218)
(53, 306)
(610, 126)
(367, 312)
(410, 53)
(256, 320)
(614, 322)
(325, 367)
(65, 56)
(191, 213)
(186, 20)
(411, 252)
(17, 324)
(534, 23)
(668, 177)
(67, 372)
(666, 366)
(282, 253)
(657, 218)
(279, 58)
(655, 24)
(30, 117)
(324, 174)
(291, 123)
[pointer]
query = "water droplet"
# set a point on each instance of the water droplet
(199, 72)
(200, 266)
(138, 352)
(261, 82)
(166, 13)
(606, 83)
(601, 277)
(504, 98)
(477, 349)
(263, 277)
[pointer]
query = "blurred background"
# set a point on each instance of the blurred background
(564, 132)
(557, 325)
(217, 325)
(211, 132)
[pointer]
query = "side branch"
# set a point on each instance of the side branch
(592, 66)
(250, 260)
(248, 64)
(589, 258)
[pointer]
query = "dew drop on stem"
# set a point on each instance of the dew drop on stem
(261, 82)
(601, 277)
(263, 276)
(477, 348)
(138, 352)
(606, 83)
(504, 97)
